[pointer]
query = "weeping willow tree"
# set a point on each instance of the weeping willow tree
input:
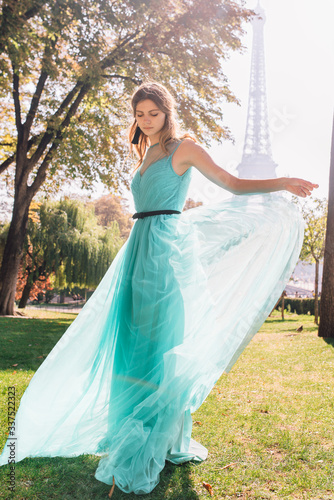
(65, 239)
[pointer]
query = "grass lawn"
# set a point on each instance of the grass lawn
(268, 424)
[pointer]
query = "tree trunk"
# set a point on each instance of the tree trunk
(283, 296)
(316, 292)
(24, 193)
(326, 328)
(25, 295)
(13, 253)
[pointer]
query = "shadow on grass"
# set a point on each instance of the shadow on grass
(281, 321)
(287, 322)
(27, 342)
(73, 478)
(329, 340)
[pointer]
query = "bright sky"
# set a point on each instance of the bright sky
(299, 47)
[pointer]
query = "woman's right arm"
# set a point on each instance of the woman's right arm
(192, 154)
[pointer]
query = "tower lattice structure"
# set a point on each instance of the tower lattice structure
(257, 161)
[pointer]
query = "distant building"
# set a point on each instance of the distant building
(257, 159)
(303, 276)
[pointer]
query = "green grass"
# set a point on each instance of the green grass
(271, 417)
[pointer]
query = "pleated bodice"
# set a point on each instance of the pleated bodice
(160, 187)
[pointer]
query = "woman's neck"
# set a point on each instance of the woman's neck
(154, 139)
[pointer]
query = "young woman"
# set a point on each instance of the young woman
(183, 297)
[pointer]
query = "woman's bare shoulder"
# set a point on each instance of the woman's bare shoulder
(188, 150)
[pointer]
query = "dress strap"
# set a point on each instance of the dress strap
(176, 148)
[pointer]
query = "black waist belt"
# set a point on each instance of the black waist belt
(141, 215)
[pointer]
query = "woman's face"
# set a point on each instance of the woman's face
(149, 117)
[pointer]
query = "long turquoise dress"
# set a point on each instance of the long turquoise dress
(179, 303)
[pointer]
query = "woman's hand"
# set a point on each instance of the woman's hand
(299, 187)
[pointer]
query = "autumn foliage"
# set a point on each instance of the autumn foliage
(41, 285)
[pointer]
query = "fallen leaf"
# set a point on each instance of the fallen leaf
(14, 372)
(39, 357)
(10, 340)
(208, 487)
(198, 422)
(112, 488)
(229, 465)
(16, 364)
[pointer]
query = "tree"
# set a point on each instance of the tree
(30, 290)
(190, 203)
(326, 327)
(314, 240)
(111, 208)
(3, 237)
(32, 278)
(68, 67)
(65, 240)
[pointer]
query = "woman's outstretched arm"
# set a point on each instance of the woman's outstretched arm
(191, 154)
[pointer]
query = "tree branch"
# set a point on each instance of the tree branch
(16, 98)
(35, 101)
(133, 80)
(8, 20)
(110, 58)
(34, 10)
(37, 155)
(4, 165)
(42, 171)
(50, 131)
(39, 88)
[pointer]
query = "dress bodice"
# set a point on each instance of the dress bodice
(160, 187)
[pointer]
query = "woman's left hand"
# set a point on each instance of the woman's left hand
(299, 187)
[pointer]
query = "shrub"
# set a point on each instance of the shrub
(298, 306)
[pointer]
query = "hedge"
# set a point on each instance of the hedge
(298, 306)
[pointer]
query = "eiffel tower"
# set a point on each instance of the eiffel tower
(257, 161)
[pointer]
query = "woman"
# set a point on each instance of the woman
(183, 297)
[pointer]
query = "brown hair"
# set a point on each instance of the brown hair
(164, 100)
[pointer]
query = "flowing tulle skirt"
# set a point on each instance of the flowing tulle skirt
(180, 302)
